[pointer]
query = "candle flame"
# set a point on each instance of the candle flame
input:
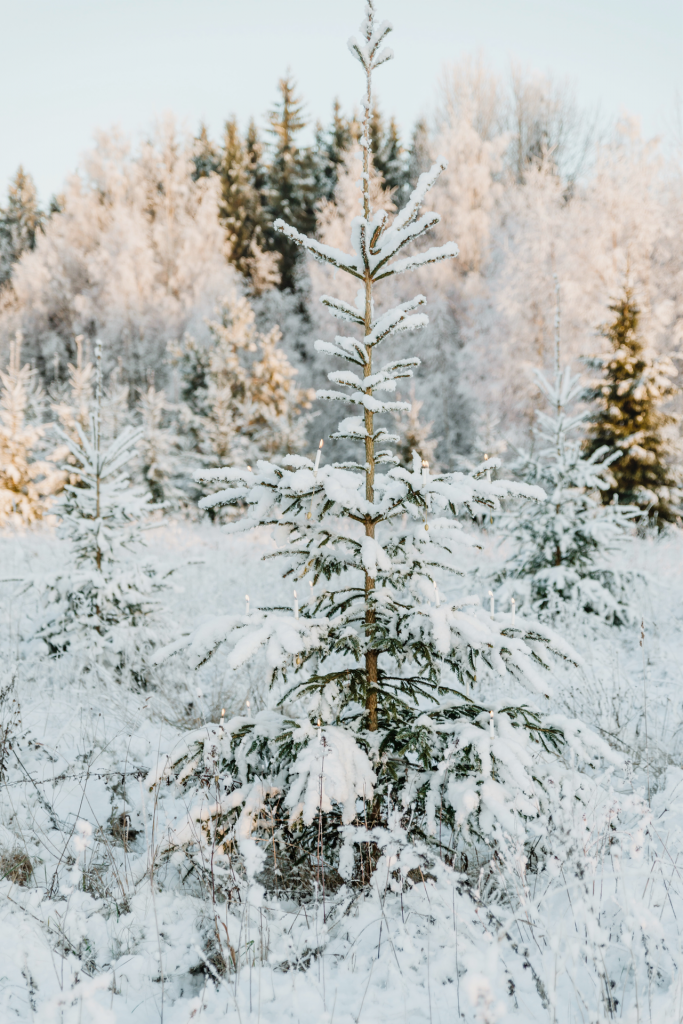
(321, 443)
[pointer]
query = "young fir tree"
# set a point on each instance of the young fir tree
(627, 416)
(559, 563)
(158, 448)
(20, 222)
(100, 605)
(27, 481)
(382, 735)
(291, 181)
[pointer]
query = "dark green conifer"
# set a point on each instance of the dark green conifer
(388, 155)
(20, 222)
(628, 416)
(331, 147)
(241, 209)
(291, 192)
(206, 157)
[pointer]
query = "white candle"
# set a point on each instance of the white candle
(296, 606)
(512, 602)
(436, 594)
(492, 602)
(491, 729)
(248, 710)
(425, 474)
(246, 598)
(317, 458)
(488, 471)
(222, 719)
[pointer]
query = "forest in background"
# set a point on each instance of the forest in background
(151, 243)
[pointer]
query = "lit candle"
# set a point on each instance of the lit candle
(491, 730)
(512, 602)
(488, 471)
(296, 606)
(425, 474)
(319, 729)
(492, 602)
(222, 719)
(248, 710)
(246, 598)
(317, 458)
(436, 594)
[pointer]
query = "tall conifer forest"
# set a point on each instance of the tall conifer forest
(341, 564)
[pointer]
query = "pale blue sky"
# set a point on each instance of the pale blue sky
(71, 66)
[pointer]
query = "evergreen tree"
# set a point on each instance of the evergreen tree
(291, 181)
(332, 146)
(206, 157)
(158, 448)
(241, 208)
(627, 415)
(20, 222)
(381, 744)
(388, 155)
(27, 481)
(418, 155)
(559, 563)
(99, 606)
(390, 160)
(414, 436)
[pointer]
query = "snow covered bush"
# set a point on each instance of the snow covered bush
(561, 559)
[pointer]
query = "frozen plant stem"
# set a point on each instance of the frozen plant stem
(647, 755)
(371, 655)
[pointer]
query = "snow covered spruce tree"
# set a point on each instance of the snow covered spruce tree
(99, 606)
(384, 731)
(560, 561)
(627, 415)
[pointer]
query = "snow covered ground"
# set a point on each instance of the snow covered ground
(95, 925)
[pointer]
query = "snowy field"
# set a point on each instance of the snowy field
(98, 925)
